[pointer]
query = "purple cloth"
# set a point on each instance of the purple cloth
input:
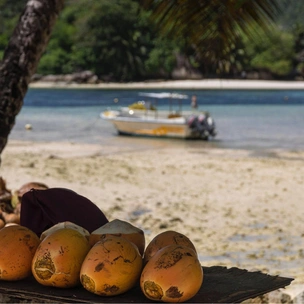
(41, 209)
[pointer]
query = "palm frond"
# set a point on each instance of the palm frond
(212, 26)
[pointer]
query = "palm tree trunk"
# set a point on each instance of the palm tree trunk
(21, 59)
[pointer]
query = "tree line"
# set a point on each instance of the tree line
(118, 41)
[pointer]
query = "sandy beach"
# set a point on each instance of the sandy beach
(239, 209)
(208, 84)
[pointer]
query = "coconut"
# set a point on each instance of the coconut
(17, 248)
(112, 266)
(173, 274)
(11, 218)
(28, 186)
(2, 223)
(11, 224)
(120, 228)
(59, 257)
(166, 238)
(66, 224)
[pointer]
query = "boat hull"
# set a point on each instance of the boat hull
(153, 128)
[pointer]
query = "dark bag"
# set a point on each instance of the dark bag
(42, 209)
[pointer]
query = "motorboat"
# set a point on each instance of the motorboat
(143, 118)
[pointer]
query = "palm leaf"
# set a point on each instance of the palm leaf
(212, 27)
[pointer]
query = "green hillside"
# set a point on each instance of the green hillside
(101, 37)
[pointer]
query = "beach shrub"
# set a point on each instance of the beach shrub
(274, 52)
(58, 57)
(111, 43)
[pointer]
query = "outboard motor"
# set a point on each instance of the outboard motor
(202, 124)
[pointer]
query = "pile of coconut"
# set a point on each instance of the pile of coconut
(10, 201)
(107, 262)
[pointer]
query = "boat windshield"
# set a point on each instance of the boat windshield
(172, 97)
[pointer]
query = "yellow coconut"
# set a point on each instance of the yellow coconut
(173, 274)
(66, 224)
(11, 224)
(59, 257)
(164, 239)
(17, 248)
(113, 266)
(123, 229)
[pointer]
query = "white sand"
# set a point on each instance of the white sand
(183, 84)
(238, 209)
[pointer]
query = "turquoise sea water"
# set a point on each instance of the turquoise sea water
(246, 119)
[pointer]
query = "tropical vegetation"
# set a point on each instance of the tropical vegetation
(117, 40)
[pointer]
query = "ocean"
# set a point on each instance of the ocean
(259, 120)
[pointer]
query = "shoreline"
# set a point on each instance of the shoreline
(240, 210)
(206, 84)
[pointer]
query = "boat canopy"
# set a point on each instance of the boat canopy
(164, 95)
